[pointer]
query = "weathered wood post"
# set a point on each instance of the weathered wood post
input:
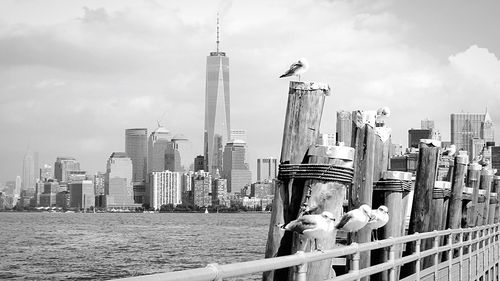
(486, 179)
(392, 186)
(493, 201)
(439, 207)
(457, 185)
(301, 129)
(473, 180)
(362, 187)
(329, 174)
(420, 219)
(496, 184)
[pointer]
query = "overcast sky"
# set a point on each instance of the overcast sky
(75, 74)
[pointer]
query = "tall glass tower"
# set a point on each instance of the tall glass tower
(217, 108)
(136, 147)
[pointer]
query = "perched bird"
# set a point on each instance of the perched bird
(312, 226)
(382, 114)
(450, 151)
(378, 218)
(356, 219)
(297, 68)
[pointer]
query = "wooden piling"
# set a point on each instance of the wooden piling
(325, 195)
(301, 129)
(420, 219)
(362, 188)
(486, 178)
(496, 184)
(457, 185)
(473, 181)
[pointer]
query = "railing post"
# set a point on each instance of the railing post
(435, 245)
(392, 257)
(216, 268)
(417, 262)
(471, 233)
(460, 254)
(450, 253)
(355, 261)
(301, 269)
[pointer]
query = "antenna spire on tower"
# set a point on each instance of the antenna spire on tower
(217, 33)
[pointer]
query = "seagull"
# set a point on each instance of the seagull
(382, 114)
(355, 219)
(378, 218)
(312, 226)
(297, 68)
(450, 151)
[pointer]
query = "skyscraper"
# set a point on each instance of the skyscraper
(217, 108)
(235, 168)
(118, 181)
(344, 127)
(136, 147)
(166, 188)
(28, 180)
(267, 169)
(157, 146)
(63, 165)
(427, 124)
(466, 126)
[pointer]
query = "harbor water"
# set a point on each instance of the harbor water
(103, 246)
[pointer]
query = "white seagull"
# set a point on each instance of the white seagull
(450, 151)
(382, 114)
(378, 218)
(311, 226)
(356, 219)
(297, 68)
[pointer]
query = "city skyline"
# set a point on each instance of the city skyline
(74, 79)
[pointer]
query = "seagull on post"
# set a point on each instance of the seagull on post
(312, 226)
(450, 151)
(356, 219)
(297, 68)
(378, 218)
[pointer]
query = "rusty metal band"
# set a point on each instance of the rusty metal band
(324, 172)
(439, 193)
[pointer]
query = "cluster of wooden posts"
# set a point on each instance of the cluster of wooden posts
(321, 178)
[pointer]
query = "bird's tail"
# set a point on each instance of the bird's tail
(281, 225)
(284, 75)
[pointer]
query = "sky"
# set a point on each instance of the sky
(75, 74)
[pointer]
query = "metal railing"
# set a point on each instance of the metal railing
(481, 241)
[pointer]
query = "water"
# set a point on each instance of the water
(103, 246)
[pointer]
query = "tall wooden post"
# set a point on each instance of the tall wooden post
(457, 185)
(325, 194)
(301, 129)
(486, 178)
(362, 188)
(421, 216)
(473, 180)
(496, 184)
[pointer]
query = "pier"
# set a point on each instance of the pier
(453, 231)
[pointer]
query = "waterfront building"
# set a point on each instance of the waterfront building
(202, 189)
(173, 158)
(63, 199)
(262, 190)
(46, 173)
(396, 149)
(344, 127)
(118, 181)
(82, 194)
(17, 189)
(427, 124)
(267, 169)
(466, 126)
(136, 147)
(166, 188)
(217, 108)
(415, 135)
(199, 163)
(63, 165)
(219, 192)
(404, 163)
(78, 175)
(235, 168)
(99, 179)
(477, 147)
(28, 180)
(158, 142)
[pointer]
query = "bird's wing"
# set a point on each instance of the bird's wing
(292, 69)
(345, 218)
